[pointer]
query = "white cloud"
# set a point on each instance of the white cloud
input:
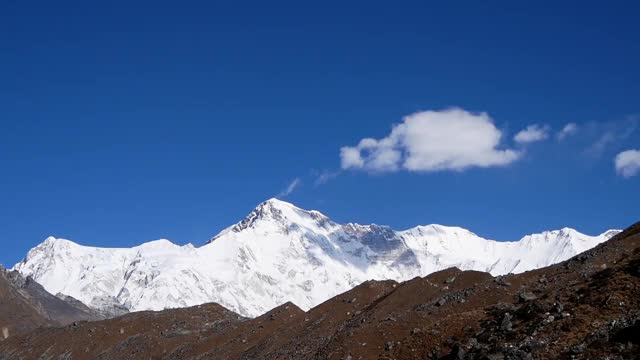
(628, 163)
(324, 176)
(531, 134)
(609, 135)
(604, 140)
(350, 158)
(451, 139)
(567, 130)
(290, 188)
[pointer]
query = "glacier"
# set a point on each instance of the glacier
(281, 253)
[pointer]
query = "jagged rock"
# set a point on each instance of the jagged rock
(457, 353)
(525, 296)
(506, 324)
(578, 349)
(559, 307)
(500, 280)
(495, 357)
(178, 332)
(388, 346)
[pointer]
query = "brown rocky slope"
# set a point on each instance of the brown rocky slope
(26, 305)
(585, 308)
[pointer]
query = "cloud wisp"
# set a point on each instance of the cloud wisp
(324, 176)
(293, 185)
(627, 163)
(609, 135)
(532, 133)
(568, 130)
(428, 141)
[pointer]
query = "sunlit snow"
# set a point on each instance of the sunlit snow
(281, 253)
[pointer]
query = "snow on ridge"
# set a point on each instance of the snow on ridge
(281, 253)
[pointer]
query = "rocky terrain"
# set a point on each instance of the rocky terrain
(25, 305)
(587, 307)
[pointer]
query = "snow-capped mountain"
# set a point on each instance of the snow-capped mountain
(281, 253)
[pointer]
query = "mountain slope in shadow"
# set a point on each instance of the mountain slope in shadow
(26, 305)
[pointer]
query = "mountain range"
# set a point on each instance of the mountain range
(583, 308)
(281, 253)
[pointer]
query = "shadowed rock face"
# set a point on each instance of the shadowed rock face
(17, 313)
(109, 308)
(25, 305)
(587, 307)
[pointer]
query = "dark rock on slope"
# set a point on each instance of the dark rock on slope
(585, 308)
(108, 310)
(17, 313)
(26, 305)
(140, 335)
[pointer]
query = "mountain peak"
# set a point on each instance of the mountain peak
(280, 252)
(158, 244)
(273, 208)
(285, 214)
(269, 209)
(277, 212)
(278, 203)
(52, 242)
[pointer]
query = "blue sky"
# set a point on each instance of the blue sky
(124, 123)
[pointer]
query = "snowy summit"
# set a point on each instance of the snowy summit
(281, 253)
